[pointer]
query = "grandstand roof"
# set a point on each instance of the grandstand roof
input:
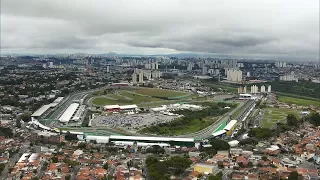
(245, 95)
(58, 100)
(66, 116)
(112, 106)
(40, 111)
(129, 106)
(218, 133)
(230, 125)
(145, 138)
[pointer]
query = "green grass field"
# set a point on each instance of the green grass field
(297, 101)
(274, 115)
(142, 97)
(160, 92)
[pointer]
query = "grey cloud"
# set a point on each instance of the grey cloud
(272, 28)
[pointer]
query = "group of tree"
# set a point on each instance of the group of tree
(161, 170)
(2, 166)
(314, 118)
(301, 88)
(189, 117)
(6, 132)
(292, 122)
(155, 150)
(216, 145)
(70, 137)
(217, 176)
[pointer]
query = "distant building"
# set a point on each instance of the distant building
(204, 70)
(108, 69)
(51, 65)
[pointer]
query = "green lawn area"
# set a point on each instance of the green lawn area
(297, 101)
(160, 92)
(274, 115)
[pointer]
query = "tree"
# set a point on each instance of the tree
(18, 123)
(264, 158)
(218, 176)
(26, 117)
(2, 166)
(82, 145)
(68, 177)
(54, 159)
(219, 144)
(292, 120)
(106, 166)
(293, 176)
(314, 118)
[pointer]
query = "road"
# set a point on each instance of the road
(13, 160)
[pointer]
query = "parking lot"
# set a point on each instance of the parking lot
(131, 121)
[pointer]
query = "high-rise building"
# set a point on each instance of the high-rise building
(153, 65)
(141, 77)
(234, 75)
(190, 66)
(157, 65)
(108, 69)
(134, 78)
(147, 74)
(245, 89)
(269, 88)
(204, 70)
(50, 64)
(263, 89)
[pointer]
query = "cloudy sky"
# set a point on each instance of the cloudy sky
(257, 28)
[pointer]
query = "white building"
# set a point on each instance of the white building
(269, 89)
(141, 77)
(263, 89)
(51, 65)
(134, 78)
(108, 69)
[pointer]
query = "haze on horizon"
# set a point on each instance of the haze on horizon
(276, 29)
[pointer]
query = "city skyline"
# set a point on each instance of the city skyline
(286, 30)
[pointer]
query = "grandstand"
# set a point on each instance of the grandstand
(79, 112)
(188, 142)
(230, 126)
(40, 111)
(68, 113)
